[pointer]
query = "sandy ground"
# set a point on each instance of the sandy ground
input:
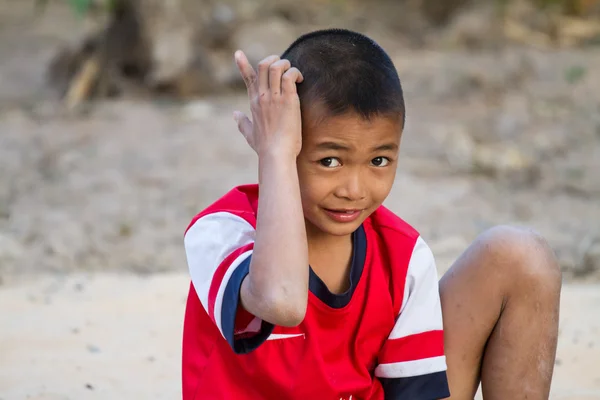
(118, 337)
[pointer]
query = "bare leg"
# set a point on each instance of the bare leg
(500, 303)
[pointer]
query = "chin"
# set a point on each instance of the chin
(336, 229)
(341, 230)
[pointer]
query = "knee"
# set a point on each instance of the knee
(522, 255)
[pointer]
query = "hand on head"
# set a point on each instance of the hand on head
(276, 125)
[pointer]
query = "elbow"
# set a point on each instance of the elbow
(291, 315)
(278, 307)
(279, 303)
(287, 311)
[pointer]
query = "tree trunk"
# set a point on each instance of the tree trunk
(147, 46)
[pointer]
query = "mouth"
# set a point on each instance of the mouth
(343, 215)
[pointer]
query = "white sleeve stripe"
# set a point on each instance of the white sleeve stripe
(407, 369)
(253, 327)
(219, 299)
(208, 242)
(421, 309)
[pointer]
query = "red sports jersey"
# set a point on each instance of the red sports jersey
(382, 339)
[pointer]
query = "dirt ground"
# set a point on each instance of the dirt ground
(114, 336)
(93, 204)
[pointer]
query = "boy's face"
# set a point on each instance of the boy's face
(346, 169)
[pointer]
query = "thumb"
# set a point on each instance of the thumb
(244, 124)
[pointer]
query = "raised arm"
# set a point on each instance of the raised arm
(276, 287)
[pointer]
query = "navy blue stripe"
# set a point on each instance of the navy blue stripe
(359, 252)
(231, 298)
(424, 387)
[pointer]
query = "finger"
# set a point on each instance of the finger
(244, 124)
(290, 78)
(247, 72)
(276, 71)
(263, 73)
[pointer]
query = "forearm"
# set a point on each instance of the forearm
(276, 288)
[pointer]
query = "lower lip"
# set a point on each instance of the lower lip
(343, 216)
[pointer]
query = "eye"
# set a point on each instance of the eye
(330, 162)
(380, 161)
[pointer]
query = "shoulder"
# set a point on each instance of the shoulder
(399, 239)
(401, 251)
(236, 207)
(392, 229)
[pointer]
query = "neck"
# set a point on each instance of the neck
(330, 258)
(319, 241)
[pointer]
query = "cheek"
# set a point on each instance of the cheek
(313, 191)
(313, 187)
(382, 186)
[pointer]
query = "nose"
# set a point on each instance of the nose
(352, 187)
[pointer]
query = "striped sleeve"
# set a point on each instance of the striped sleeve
(218, 248)
(412, 364)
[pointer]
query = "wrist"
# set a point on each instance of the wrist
(277, 167)
(277, 156)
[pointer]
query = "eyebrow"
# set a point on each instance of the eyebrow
(387, 146)
(332, 146)
(338, 146)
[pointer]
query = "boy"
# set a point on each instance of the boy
(314, 290)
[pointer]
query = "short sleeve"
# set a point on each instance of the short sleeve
(218, 249)
(412, 364)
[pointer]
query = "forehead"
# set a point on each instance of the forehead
(350, 129)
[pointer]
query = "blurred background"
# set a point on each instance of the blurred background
(116, 129)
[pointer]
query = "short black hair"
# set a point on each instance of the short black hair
(346, 71)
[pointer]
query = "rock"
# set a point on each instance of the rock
(575, 171)
(258, 40)
(459, 146)
(172, 53)
(506, 162)
(220, 27)
(169, 28)
(198, 78)
(476, 27)
(496, 160)
(440, 12)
